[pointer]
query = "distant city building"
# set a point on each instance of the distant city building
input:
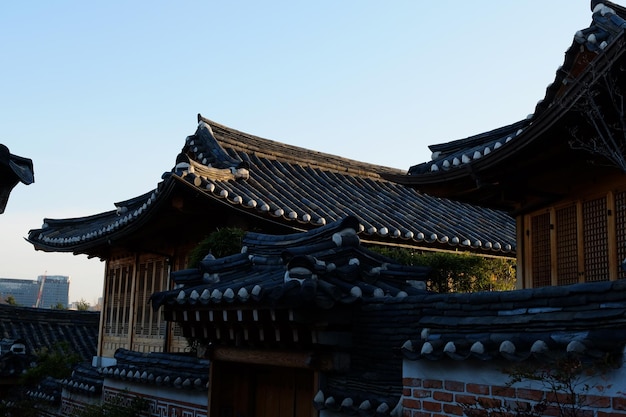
(23, 291)
(46, 292)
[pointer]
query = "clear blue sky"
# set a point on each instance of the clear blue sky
(101, 94)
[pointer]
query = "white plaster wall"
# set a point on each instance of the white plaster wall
(103, 361)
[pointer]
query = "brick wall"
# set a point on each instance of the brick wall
(437, 397)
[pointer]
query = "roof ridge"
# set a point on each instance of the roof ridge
(271, 149)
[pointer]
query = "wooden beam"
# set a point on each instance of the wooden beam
(106, 300)
(580, 224)
(553, 249)
(612, 236)
(133, 302)
(289, 359)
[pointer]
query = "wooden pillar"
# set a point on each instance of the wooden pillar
(133, 303)
(521, 256)
(611, 223)
(105, 301)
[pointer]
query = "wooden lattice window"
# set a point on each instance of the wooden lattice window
(541, 254)
(620, 229)
(151, 278)
(119, 281)
(177, 330)
(595, 240)
(566, 245)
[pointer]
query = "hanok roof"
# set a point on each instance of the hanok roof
(586, 319)
(290, 186)
(13, 169)
(39, 328)
(85, 380)
(325, 279)
(162, 369)
(540, 159)
(318, 268)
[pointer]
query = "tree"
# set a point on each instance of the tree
(56, 362)
(51, 364)
(10, 300)
(220, 243)
(82, 305)
(457, 272)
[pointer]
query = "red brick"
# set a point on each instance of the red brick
(465, 399)
(552, 410)
(406, 392)
(478, 389)
(487, 402)
(560, 398)
(598, 401)
(530, 394)
(455, 386)
(619, 403)
(608, 414)
(411, 403)
(503, 392)
(412, 382)
(431, 406)
(422, 393)
(453, 409)
(443, 396)
(432, 383)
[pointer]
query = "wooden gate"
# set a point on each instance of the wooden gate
(242, 390)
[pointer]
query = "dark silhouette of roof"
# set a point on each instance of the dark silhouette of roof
(13, 170)
(546, 323)
(161, 369)
(319, 273)
(43, 328)
(532, 162)
(608, 24)
(318, 268)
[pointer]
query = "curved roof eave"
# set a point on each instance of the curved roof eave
(592, 49)
(105, 227)
(537, 126)
(298, 191)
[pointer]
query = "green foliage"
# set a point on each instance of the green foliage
(55, 362)
(82, 305)
(220, 243)
(10, 300)
(458, 272)
(116, 406)
(58, 306)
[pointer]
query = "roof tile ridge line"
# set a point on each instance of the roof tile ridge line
(209, 172)
(321, 160)
(481, 138)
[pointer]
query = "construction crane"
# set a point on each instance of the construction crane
(40, 293)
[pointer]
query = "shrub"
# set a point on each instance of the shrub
(220, 243)
(458, 272)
